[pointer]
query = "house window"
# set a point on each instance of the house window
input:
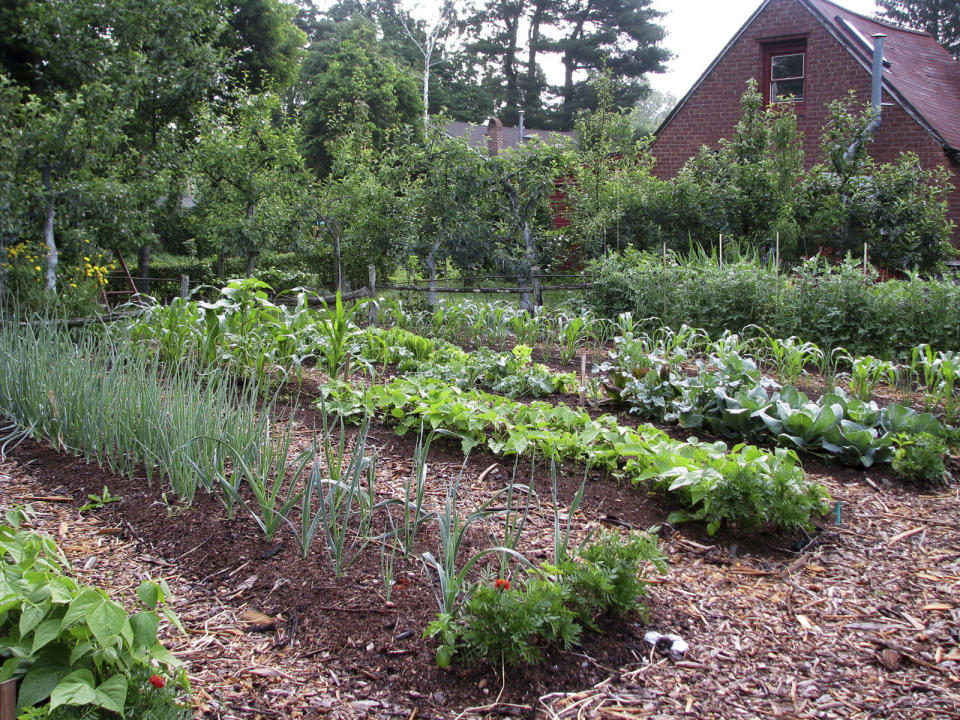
(784, 71)
(786, 77)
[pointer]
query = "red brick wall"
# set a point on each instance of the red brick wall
(714, 108)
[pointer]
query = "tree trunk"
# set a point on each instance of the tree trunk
(431, 262)
(337, 261)
(531, 279)
(532, 99)
(48, 239)
(251, 251)
(533, 274)
(143, 269)
(426, 90)
(510, 60)
(221, 265)
(570, 65)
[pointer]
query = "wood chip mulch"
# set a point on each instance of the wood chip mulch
(862, 623)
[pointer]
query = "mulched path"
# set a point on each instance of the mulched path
(863, 622)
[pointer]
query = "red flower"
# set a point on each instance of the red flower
(502, 584)
(157, 681)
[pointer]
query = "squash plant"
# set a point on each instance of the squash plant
(70, 645)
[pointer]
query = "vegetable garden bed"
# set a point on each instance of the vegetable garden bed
(320, 554)
(862, 624)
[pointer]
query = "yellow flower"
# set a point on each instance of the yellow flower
(37, 268)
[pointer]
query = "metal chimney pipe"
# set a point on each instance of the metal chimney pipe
(876, 93)
(521, 113)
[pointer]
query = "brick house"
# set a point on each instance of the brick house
(497, 137)
(817, 51)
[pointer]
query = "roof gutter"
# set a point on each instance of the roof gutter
(876, 94)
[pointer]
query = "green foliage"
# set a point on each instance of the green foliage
(508, 624)
(729, 395)
(940, 18)
(354, 85)
(242, 330)
(71, 645)
(252, 196)
(99, 501)
(830, 305)
(919, 458)
(606, 576)
(117, 405)
(752, 190)
(265, 44)
(642, 455)
(507, 373)
(337, 328)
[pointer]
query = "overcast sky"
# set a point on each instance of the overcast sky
(697, 31)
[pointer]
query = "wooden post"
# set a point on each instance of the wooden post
(721, 251)
(372, 308)
(663, 283)
(583, 378)
(8, 700)
(184, 286)
(865, 259)
(777, 256)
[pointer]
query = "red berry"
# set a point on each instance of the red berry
(157, 681)
(502, 584)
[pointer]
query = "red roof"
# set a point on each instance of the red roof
(921, 74)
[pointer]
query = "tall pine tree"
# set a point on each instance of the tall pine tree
(940, 18)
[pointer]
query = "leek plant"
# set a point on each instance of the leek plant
(452, 526)
(119, 406)
(336, 485)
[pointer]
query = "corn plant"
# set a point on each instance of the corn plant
(790, 356)
(830, 362)
(949, 373)
(925, 367)
(679, 345)
(335, 330)
(572, 337)
(867, 372)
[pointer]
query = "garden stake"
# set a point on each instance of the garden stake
(720, 258)
(864, 258)
(583, 377)
(8, 700)
(838, 513)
